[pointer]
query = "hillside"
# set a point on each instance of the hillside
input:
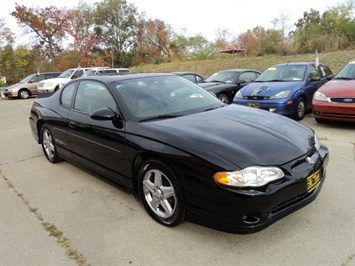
(335, 60)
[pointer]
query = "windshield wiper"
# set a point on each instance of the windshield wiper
(212, 108)
(215, 81)
(159, 117)
(344, 78)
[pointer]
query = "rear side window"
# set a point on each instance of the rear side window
(68, 95)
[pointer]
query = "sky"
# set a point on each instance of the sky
(192, 17)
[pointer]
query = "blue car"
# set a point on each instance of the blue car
(285, 89)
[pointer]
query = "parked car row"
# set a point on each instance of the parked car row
(286, 89)
(290, 89)
(46, 82)
(28, 86)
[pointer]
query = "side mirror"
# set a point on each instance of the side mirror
(103, 114)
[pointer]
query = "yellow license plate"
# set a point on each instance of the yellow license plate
(255, 105)
(313, 181)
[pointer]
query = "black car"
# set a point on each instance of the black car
(185, 153)
(194, 77)
(225, 84)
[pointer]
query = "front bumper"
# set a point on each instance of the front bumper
(246, 211)
(282, 107)
(334, 111)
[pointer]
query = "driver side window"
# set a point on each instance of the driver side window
(92, 95)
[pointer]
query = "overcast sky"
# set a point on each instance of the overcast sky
(193, 17)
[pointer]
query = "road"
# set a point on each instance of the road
(62, 215)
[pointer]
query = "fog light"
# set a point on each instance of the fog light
(272, 109)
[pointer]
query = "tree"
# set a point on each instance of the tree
(49, 24)
(154, 41)
(117, 27)
(82, 29)
(6, 35)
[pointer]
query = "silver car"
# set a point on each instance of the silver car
(28, 86)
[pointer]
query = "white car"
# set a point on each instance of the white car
(52, 85)
(107, 72)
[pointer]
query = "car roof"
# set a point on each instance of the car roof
(238, 70)
(114, 78)
(297, 63)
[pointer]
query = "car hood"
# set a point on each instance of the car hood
(270, 88)
(339, 88)
(235, 136)
(19, 84)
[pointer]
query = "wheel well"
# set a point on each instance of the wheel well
(40, 124)
(140, 159)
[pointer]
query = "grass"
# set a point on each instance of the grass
(335, 60)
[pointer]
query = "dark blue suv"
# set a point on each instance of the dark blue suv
(285, 89)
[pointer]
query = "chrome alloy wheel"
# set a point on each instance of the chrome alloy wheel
(159, 193)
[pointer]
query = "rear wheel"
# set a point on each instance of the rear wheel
(23, 94)
(300, 110)
(161, 193)
(48, 146)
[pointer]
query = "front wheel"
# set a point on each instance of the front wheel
(223, 97)
(23, 94)
(160, 193)
(300, 110)
(48, 146)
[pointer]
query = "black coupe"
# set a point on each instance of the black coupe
(225, 84)
(185, 153)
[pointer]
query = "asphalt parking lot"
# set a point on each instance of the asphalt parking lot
(61, 215)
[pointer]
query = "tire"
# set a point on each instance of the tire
(160, 193)
(23, 94)
(223, 97)
(48, 146)
(56, 89)
(300, 109)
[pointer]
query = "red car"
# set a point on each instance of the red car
(335, 100)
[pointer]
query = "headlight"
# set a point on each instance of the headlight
(48, 84)
(238, 95)
(281, 94)
(253, 176)
(319, 96)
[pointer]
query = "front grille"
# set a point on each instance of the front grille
(256, 98)
(343, 100)
(290, 202)
(40, 85)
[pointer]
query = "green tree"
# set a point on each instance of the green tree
(117, 27)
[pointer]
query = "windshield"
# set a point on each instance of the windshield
(27, 79)
(347, 72)
(223, 76)
(66, 73)
(163, 97)
(283, 73)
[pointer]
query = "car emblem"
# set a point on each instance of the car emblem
(310, 161)
(348, 100)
